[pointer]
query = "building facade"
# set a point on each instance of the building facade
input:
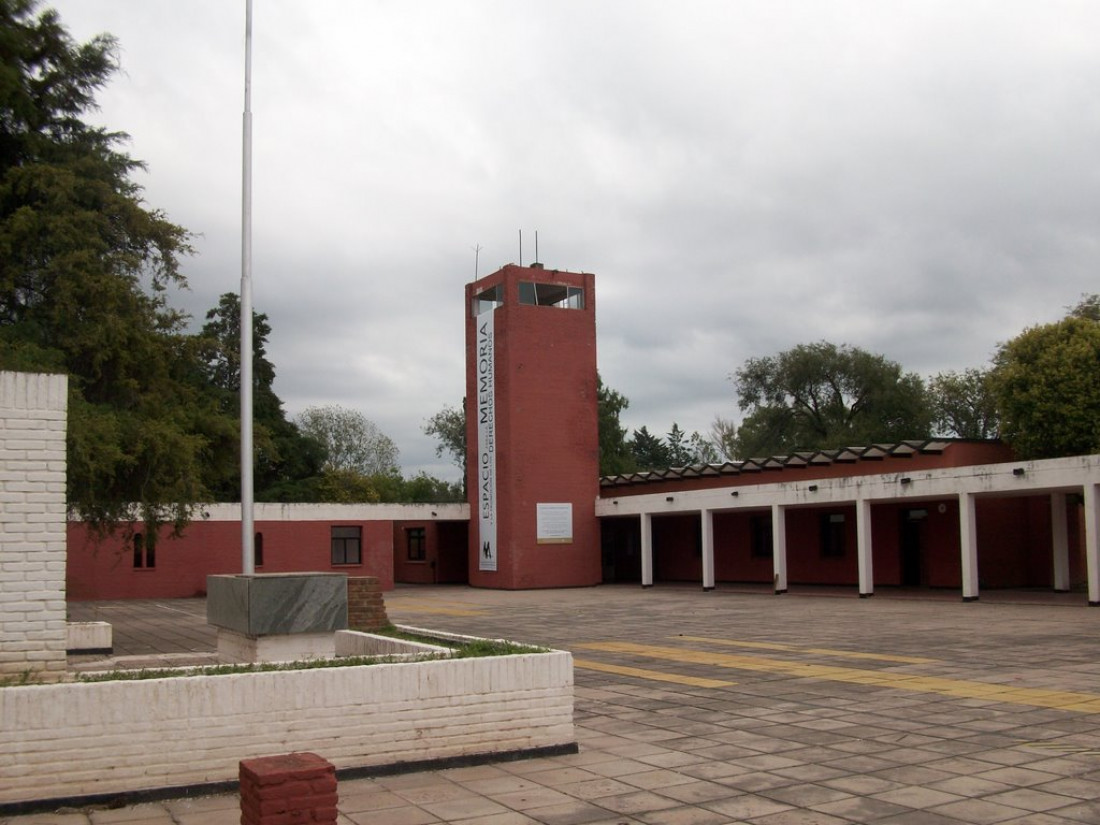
(955, 514)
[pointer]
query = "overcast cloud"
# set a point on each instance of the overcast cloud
(920, 179)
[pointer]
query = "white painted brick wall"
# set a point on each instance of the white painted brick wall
(33, 634)
(67, 740)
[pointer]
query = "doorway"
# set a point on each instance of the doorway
(912, 547)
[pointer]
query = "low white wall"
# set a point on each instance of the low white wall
(89, 636)
(82, 739)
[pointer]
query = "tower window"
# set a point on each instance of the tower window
(551, 295)
(488, 299)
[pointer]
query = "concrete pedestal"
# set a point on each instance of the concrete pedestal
(277, 617)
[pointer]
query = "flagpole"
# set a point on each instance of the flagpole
(248, 566)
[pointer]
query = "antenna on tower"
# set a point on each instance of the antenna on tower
(477, 254)
(521, 247)
(536, 246)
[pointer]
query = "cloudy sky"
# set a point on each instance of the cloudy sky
(920, 179)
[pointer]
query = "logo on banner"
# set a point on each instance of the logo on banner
(486, 443)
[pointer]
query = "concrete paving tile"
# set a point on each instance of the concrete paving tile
(465, 808)
(746, 806)
(913, 775)
(805, 795)
(713, 770)
(809, 772)
(653, 779)
(1075, 787)
(55, 818)
(672, 759)
(620, 767)
(794, 817)
(436, 792)
(766, 762)
(500, 785)
(755, 781)
(509, 818)
(696, 792)
(684, 816)
(635, 803)
(979, 811)
(408, 815)
(368, 800)
(916, 817)
(557, 776)
(1038, 819)
(1022, 777)
(595, 788)
(1032, 799)
(568, 813)
(969, 786)
(914, 796)
(860, 809)
(532, 798)
(473, 772)
(134, 813)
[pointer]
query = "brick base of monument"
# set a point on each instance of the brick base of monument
(366, 608)
(291, 789)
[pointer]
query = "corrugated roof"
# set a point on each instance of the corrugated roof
(800, 459)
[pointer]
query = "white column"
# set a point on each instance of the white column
(647, 550)
(968, 546)
(706, 528)
(779, 547)
(1059, 541)
(1092, 543)
(863, 548)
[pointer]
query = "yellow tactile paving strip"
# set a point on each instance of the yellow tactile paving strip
(432, 607)
(824, 651)
(958, 688)
(655, 675)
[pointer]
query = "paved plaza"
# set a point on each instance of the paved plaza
(733, 706)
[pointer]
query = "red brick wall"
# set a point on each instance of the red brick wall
(366, 607)
(1014, 545)
(104, 569)
(445, 556)
(546, 431)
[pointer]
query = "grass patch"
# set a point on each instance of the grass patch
(232, 669)
(464, 649)
(474, 648)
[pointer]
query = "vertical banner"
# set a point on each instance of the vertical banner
(486, 443)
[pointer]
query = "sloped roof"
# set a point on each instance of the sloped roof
(800, 459)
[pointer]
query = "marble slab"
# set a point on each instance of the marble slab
(271, 604)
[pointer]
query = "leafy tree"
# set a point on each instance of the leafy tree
(85, 273)
(351, 441)
(723, 439)
(449, 426)
(963, 405)
(615, 454)
(820, 395)
(677, 447)
(703, 450)
(650, 451)
(1088, 308)
(1047, 384)
(282, 453)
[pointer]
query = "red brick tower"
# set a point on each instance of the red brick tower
(531, 429)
